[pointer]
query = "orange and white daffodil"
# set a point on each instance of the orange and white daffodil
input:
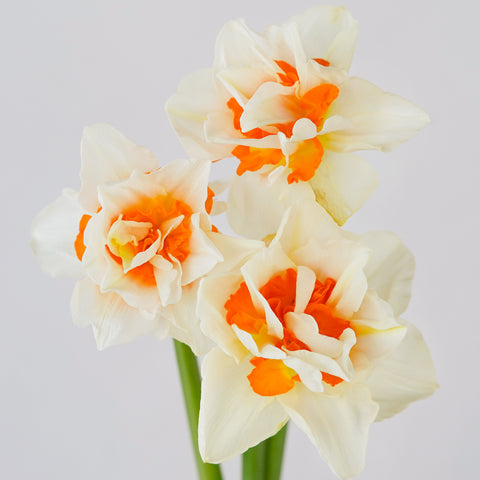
(284, 100)
(308, 330)
(141, 237)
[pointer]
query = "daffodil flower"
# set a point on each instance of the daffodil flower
(308, 329)
(284, 100)
(141, 238)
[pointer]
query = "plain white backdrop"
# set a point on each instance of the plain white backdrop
(69, 412)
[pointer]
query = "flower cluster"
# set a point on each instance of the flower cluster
(298, 318)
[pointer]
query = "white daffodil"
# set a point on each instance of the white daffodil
(284, 99)
(140, 236)
(308, 330)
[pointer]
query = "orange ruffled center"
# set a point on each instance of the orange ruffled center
(312, 105)
(148, 216)
(153, 213)
(272, 377)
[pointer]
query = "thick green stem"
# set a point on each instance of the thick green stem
(274, 455)
(253, 463)
(190, 379)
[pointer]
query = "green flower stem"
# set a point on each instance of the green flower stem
(253, 463)
(190, 379)
(274, 454)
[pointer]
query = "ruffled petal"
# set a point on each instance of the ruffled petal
(328, 33)
(337, 425)
(113, 321)
(257, 202)
(108, 156)
(189, 108)
(54, 231)
(233, 417)
(404, 376)
(390, 268)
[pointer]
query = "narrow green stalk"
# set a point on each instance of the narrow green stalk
(190, 379)
(274, 455)
(253, 463)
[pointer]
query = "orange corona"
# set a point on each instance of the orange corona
(273, 377)
(312, 105)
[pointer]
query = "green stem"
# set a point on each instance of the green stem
(253, 463)
(274, 454)
(190, 379)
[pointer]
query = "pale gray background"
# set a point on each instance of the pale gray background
(70, 412)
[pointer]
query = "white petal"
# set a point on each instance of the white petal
(214, 291)
(403, 377)
(337, 425)
(203, 255)
(219, 128)
(185, 180)
(108, 156)
(272, 103)
(113, 321)
(238, 46)
(329, 33)
(342, 183)
(184, 323)
(54, 231)
(304, 288)
(188, 110)
(390, 268)
(169, 285)
(305, 329)
(256, 205)
(380, 120)
(233, 417)
(235, 251)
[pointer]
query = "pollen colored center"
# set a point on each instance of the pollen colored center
(312, 105)
(280, 293)
(145, 226)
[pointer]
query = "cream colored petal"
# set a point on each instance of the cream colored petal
(203, 254)
(169, 283)
(256, 204)
(233, 417)
(337, 425)
(54, 231)
(272, 103)
(390, 268)
(235, 251)
(214, 291)
(184, 322)
(188, 110)
(380, 120)
(108, 156)
(403, 377)
(309, 375)
(304, 288)
(374, 313)
(351, 286)
(342, 183)
(264, 351)
(323, 363)
(219, 129)
(113, 321)
(185, 180)
(238, 46)
(329, 33)
(242, 82)
(305, 329)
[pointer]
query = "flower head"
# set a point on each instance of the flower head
(284, 100)
(305, 329)
(140, 236)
